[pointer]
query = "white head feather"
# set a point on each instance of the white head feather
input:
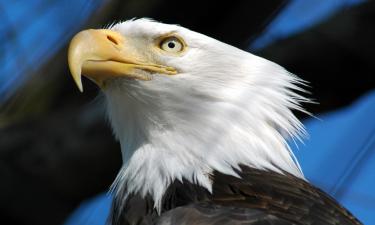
(225, 107)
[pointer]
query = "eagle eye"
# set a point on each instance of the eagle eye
(172, 44)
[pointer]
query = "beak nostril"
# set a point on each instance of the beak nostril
(112, 39)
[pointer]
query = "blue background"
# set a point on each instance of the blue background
(338, 157)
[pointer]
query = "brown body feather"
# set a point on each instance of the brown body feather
(258, 197)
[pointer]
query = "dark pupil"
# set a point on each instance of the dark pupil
(171, 45)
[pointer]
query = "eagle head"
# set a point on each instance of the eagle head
(183, 104)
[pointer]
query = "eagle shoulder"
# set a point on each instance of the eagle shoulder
(255, 197)
(211, 214)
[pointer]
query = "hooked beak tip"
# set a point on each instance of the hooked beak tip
(77, 77)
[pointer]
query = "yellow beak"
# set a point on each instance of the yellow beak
(102, 54)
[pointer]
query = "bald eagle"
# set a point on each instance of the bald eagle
(202, 127)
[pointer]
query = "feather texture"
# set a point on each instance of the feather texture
(257, 197)
(225, 107)
(209, 144)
